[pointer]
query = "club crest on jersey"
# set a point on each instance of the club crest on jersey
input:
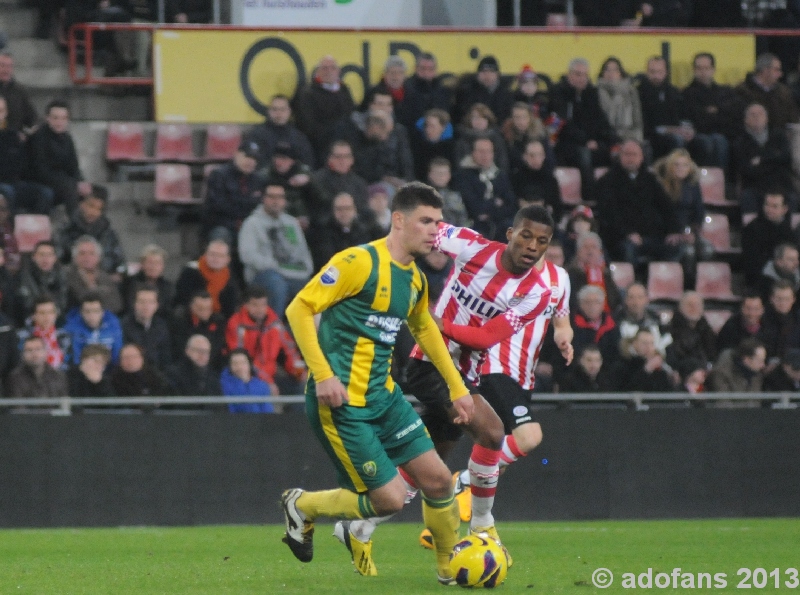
(330, 276)
(369, 468)
(516, 299)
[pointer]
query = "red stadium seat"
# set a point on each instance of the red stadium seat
(30, 229)
(622, 273)
(569, 181)
(125, 142)
(174, 184)
(717, 231)
(712, 187)
(714, 281)
(174, 143)
(717, 318)
(665, 281)
(222, 140)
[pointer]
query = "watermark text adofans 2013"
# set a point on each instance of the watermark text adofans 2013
(743, 578)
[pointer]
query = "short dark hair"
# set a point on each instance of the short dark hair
(99, 192)
(56, 103)
(439, 162)
(781, 249)
(41, 243)
(780, 284)
(240, 351)
(416, 194)
(255, 292)
(91, 296)
(535, 213)
(44, 298)
(751, 294)
(202, 293)
(708, 55)
(747, 347)
(96, 350)
(338, 143)
(426, 56)
(588, 348)
(479, 137)
(142, 288)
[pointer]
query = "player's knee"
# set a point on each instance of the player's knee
(438, 484)
(492, 435)
(528, 437)
(389, 503)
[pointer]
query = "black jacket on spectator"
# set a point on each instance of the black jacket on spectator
(576, 380)
(13, 157)
(733, 332)
(661, 106)
(185, 325)
(774, 170)
(327, 184)
(606, 337)
(316, 112)
(332, 238)
(541, 184)
(778, 381)
(21, 113)
(424, 151)
(491, 204)
(81, 386)
(381, 87)
(727, 119)
(33, 283)
(698, 343)
(300, 200)
(191, 281)
(231, 196)
(422, 95)
(268, 135)
(113, 260)
(470, 92)
(760, 237)
(582, 117)
(375, 160)
(187, 380)
(466, 137)
(147, 382)
(637, 205)
(155, 340)
(8, 347)
(778, 101)
(54, 160)
(779, 332)
(630, 376)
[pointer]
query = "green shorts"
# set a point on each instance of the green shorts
(366, 444)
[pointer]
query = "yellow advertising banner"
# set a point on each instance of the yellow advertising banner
(229, 75)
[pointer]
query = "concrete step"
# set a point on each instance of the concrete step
(97, 103)
(52, 77)
(36, 53)
(17, 22)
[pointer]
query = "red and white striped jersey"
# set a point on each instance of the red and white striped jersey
(480, 289)
(516, 356)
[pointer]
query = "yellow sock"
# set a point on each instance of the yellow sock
(441, 518)
(339, 503)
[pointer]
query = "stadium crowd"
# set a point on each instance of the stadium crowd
(319, 175)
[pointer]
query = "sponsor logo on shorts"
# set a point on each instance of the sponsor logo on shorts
(409, 429)
(370, 468)
(520, 410)
(330, 276)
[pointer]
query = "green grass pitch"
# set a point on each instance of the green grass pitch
(549, 558)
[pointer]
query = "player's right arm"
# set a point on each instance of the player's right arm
(344, 276)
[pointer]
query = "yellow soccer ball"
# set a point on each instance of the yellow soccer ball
(479, 561)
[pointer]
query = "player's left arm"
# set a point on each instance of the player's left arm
(562, 329)
(499, 328)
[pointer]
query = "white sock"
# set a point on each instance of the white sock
(484, 472)
(362, 529)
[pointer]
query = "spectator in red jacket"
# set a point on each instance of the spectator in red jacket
(256, 328)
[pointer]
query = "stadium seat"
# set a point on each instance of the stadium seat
(622, 273)
(30, 229)
(714, 282)
(712, 187)
(222, 140)
(174, 184)
(665, 281)
(717, 318)
(125, 142)
(569, 181)
(717, 231)
(174, 143)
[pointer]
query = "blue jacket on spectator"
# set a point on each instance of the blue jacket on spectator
(109, 333)
(233, 386)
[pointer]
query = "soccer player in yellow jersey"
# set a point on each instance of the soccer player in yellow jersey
(357, 412)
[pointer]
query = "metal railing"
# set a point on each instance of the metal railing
(637, 401)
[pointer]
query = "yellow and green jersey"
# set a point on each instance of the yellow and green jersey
(364, 297)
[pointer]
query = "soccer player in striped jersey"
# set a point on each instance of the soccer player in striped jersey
(493, 292)
(360, 416)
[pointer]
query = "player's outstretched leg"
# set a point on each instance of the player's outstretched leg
(356, 535)
(463, 496)
(301, 508)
